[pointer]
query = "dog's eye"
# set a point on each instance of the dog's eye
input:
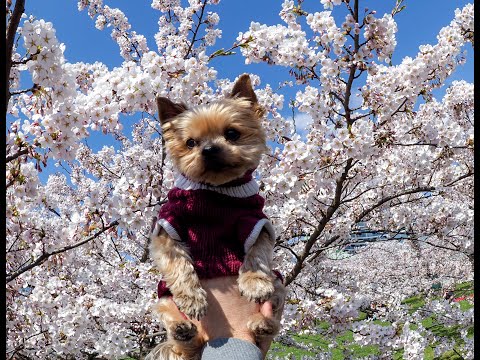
(191, 143)
(232, 135)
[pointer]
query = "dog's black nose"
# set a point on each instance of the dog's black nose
(210, 150)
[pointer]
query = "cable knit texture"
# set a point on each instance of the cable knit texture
(218, 229)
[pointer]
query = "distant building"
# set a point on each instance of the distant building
(361, 237)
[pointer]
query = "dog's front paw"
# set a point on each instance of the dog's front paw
(192, 303)
(262, 326)
(183, 330)
(255, 286)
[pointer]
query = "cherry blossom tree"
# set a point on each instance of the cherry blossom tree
(380, 149)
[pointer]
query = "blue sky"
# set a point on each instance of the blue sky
(418, 24)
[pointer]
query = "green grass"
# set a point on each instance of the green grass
(398, 354)
(282, 351)
(429, 354)
(316, 344)
(451, 332)
(314, 341)
(346, 337)
(465, 305)
(414, 303)
(323, 325)
(429, 321)
(362, 351)
(450, 355)
(346, 348)
(382, 323)
(464, 289)
(361, 316)
(470, 332)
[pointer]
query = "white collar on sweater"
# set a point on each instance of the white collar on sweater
(240, 191)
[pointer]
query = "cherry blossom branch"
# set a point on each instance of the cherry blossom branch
(394, 113)
(339, 183)
(398, 7)
(464, 176)
(321, 226)
(307, 290)
(323, 248)
(438, 245)
(17, 155)
(195, 33)
(18, 92)
(290, 250)
(42, 258)
(431, 144)
(105, 167)
(11, 31)
(24, 61)
(407, 192)
(22, 346)
(222, 52)
(356, 196)
(361, 116)
(132, 44)
(391, 197)
(353, 68)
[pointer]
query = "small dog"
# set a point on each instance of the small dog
(213, 224)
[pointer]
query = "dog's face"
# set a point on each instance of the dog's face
(218, 142)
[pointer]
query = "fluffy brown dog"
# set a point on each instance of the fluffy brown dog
(212, 224)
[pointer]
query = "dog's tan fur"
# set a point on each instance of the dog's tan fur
(255, 275)
(183, 337)
(266, 328)
(174, 262)
(207, 125)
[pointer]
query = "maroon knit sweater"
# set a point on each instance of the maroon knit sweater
(218, 224)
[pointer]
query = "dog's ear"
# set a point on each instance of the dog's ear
(167, 109)
(243, 88)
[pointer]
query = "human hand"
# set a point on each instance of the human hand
(267, 310)
(228, 312)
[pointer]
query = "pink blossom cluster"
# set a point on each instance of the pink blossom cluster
(390, 89)
(277, 44)
(131, 44)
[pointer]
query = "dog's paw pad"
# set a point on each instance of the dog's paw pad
(263, 327)
(183, 331)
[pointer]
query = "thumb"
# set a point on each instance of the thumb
(266, 309)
